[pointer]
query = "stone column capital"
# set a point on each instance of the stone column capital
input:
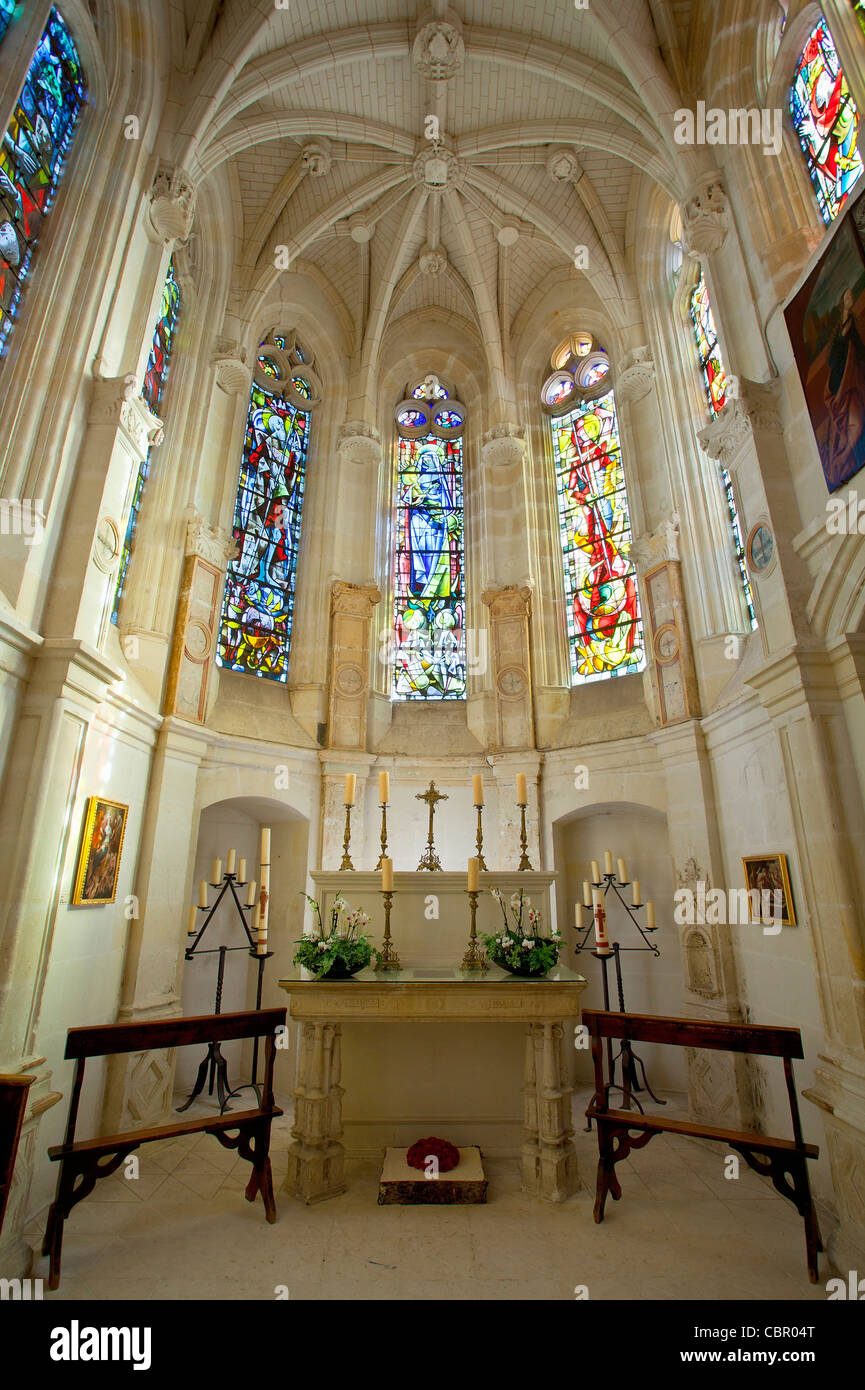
(658, 546)
(752, 408)
(208, 542)
(233, 376)
(504, 445)
(705, 217)
(635, 376)
(117, 401)
(359, 443)
(170, 204)
(509, 600)
(358, 599)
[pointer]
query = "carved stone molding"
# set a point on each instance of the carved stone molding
(751, 407)
(701, 962)
(690, 875)
(636, 375)
(705, 219)
(438, 52)
(432, 260)
(437, 168)
(656, 547)
(673, 673)
(317, 156)
(504, 445)
(359, 443)
(233, 376)
(352, 607)
(562, 165)
(208, 549)
(210, 543)
(116, 400)
(510, 609)
(171, 204)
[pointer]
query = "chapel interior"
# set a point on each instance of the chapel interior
(431, 447)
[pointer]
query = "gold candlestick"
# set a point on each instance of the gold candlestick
(474, 958)
(525, 862)
(383, 855)
(346, 839)
(480, 840)
(429, 859)
(388, 960)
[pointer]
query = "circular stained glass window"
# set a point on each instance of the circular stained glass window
(448, 420)
(558, 388)
(411, 419)
(301, 387)
(269, 367)
(761, 547)
(595, 369)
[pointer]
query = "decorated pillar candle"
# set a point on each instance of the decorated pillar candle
(601, 940)
(265, 879)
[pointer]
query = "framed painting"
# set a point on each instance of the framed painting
(826, 323)
(767, 873)
(99, 856)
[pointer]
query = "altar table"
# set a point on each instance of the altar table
(549, 1007)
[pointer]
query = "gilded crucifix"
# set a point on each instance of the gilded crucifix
(429, 859)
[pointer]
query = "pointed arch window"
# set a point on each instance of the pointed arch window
(258, 605)
(32, 157)
(429, 561)
(152, 391)
(605, 631)
(715, 387)
(826, 121)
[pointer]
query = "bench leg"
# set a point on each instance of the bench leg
(52, 1245)
(262, 1181)
(606, 1180)
(254, 1145)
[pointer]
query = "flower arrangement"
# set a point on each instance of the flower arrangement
(340, 951)
(520, 948)
(448, 1155)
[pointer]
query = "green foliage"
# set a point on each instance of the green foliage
(510, 951)
(343, 944)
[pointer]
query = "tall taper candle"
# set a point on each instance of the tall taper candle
(265, 883)
(522, 796)
(608, 861)
(383, 788)
(387, 875)
(596, 871)
(251, 894)
(264, 854)
(232, 860)
(350, 785)
(587, 893)
(578, 916)
(635, 893)
(217, 871)
(650, 916)
(477, 789)
(241, 871)
(202, 894)
(473, 876)
(191, 929)
(623, 877)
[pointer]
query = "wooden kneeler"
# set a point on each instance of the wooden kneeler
(83, 1162)
(785, 1161)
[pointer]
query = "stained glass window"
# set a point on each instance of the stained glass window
(153, 389)
(826, 121)
(7, 9)
(859, 7)
(34, 148)
(715, 386)
(603, 610)
(429, 581)
(258, 607)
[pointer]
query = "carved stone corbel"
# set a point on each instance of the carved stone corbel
(752, 408)
(359, 443)
(705, 218)
(170, 205)
(233, 376)
(118, 401)
(636, 375)
(504, 445)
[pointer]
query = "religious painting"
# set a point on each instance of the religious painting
(32, 156)
(258, 609)
(99, 856)
(826, 323)
(826, 121)
(605, 629)
(429, 588)
(767, 873)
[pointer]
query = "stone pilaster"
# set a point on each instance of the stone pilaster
(196, 629)
(334, 766)
(510, 609)
(352, 608)
(660, 574)
(505, 768)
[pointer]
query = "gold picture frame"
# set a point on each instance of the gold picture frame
(769, 872)
(98, 866)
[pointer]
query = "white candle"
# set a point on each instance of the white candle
(191, 929)
(387, 875)
(608, 861)
(265, 877)
(623, 877)
(600, 926)
(596, 871)
(202, 894)
(264, 856)
(578, 916)
(217, 871)
(262, 932)
(650, 916)
(350, 786)
(384, 788)
(522, 795)
(597, 897)
(587, 893)
(473, 875)
(478, 789)
(241, 872)
(635, 893)
(232, 860)
(250, 894)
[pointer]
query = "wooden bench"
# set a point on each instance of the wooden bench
(620, 1131)
(83, 1162)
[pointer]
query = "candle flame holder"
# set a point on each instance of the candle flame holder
(474, 958)
(388, 959)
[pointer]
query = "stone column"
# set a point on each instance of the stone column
(139, 1086)
(799, 694)
(510, 608)
(196, 629)
(316, 1158)
(674, 678)
(352, 608)
(549, 1159)
(68, 682)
